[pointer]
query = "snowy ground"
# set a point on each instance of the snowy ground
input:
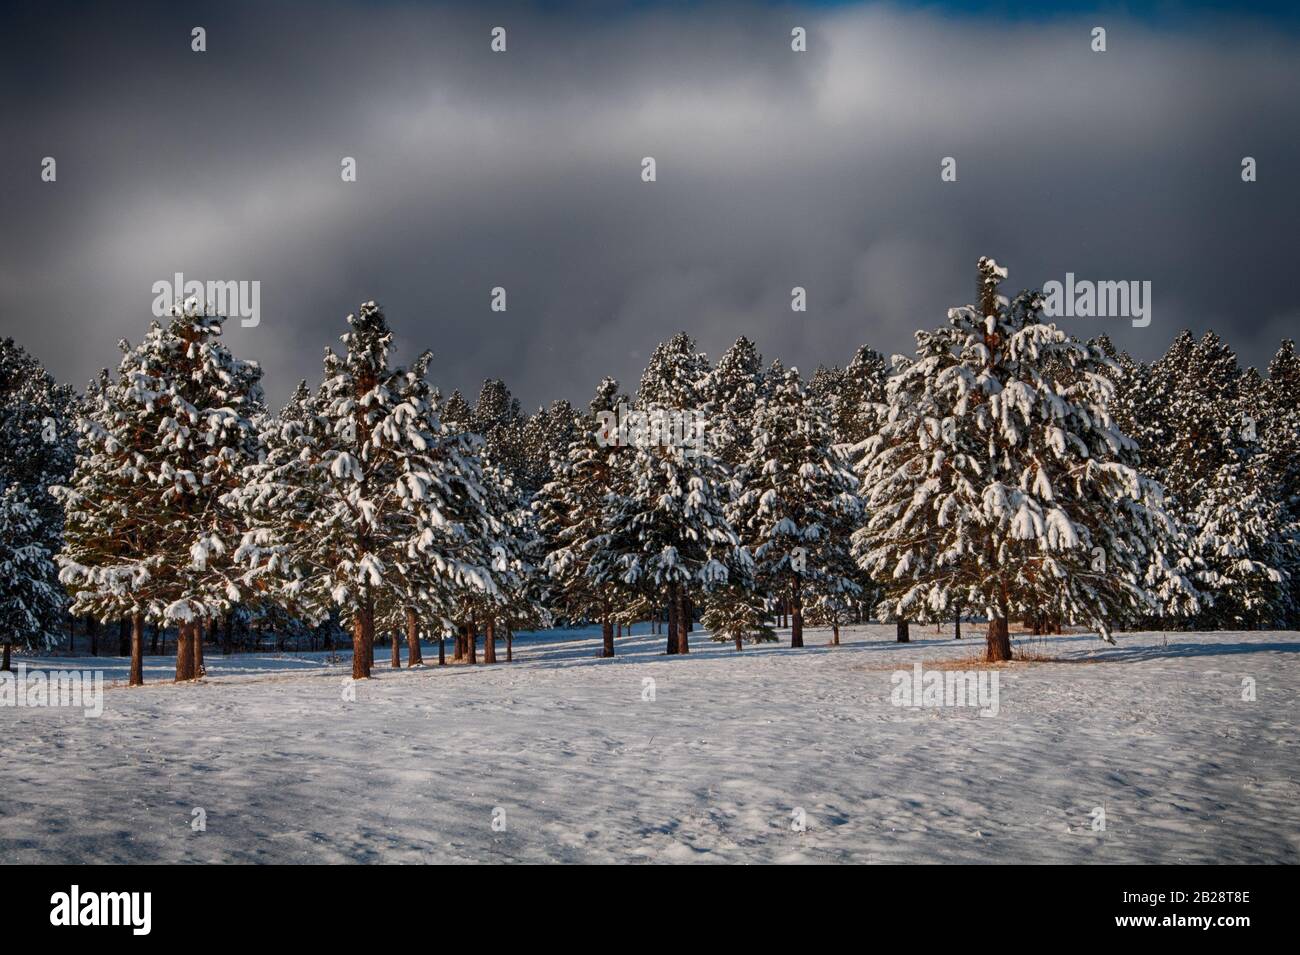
(586, 770)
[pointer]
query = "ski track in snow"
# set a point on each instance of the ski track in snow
(710, 770)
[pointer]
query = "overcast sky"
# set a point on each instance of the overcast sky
(523, 170)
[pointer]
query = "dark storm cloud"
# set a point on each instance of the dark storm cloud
(522, 170)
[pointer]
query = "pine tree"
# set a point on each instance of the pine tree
(1245, 540)
(445, 552)
(855, 398)
(994, 481)
(858, 403)
(546, 432)
(798, 498)
(147, 534)
(730, 393)
(456, 412)
(569, 510)
(689, 481)
(30, 594)
(518, 550)
(1203, 425)
(667, 533)
(675, 377)
(357, 491)
(37, 450)
(497, 419)
(737, 613)
(1279, 437)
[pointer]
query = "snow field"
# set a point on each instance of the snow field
(580, 765)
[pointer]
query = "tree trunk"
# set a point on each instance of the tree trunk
(227, 634)
(137, 650)
(4, 665)
(607, 636)
(510, 644)
(196, 647)
(999, 641)
(458, 645)
(184, 652)
(92, 631)
(490, 642)
(957, 621)
(903, 634)
(683, 626)
(153, 641)
(688, 608)
(442, 650)
(414, 658)
(740, 644)
(835, 634)
(672, 618)
(360, 647)
(796, 618)
(123, 637)
(471, 643)
(397, 651)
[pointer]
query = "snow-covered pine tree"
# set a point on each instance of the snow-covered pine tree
(147, 532)
(824, 387)
(356, 479)
(841, 592)
(859, 401)
(675, 376)
(668, 533)
(1193, 396)
(105, 516)
(730, 392)
(1133, 388)
(546, 432)
(456, 412)
(798, 498)
(569, 510)
(30, 594)
(856, 399)
(37, 451)
(445, 553)
(1140, 409)
(737, 613)
(497, 419)
(1245, 540)
(994, 479)
(1202, 424)
(509, 536)
(1279, 437)
(674, 383)
(518, 549)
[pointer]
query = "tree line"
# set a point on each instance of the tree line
(1005, 470)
